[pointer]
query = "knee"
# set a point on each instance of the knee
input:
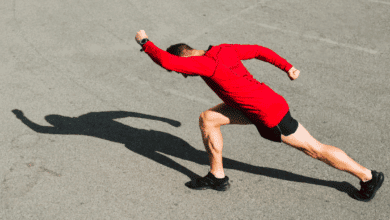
(207, 119)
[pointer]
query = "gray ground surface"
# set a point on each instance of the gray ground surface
(128, 158)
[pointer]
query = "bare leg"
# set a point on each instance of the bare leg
(210, 122)
(330, 155)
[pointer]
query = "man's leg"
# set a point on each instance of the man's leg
(330, 155)
(370, 180)
(210, 122)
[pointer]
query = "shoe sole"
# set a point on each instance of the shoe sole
(218, 188)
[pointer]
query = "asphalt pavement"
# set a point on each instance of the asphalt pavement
(93, 129)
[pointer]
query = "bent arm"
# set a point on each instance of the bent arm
(196, 65)
(246, 52)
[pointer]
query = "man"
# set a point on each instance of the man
(247, 101)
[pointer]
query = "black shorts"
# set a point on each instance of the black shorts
(288, 125)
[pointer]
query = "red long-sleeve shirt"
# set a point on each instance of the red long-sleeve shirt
(221, 68)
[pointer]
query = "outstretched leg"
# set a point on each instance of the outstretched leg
(210, 122)
(370, 180)
(330, 155)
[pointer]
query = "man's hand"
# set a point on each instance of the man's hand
(293, 73)
(140, 35)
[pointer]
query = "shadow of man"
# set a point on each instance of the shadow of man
(154, 144)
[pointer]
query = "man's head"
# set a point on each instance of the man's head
(181, 50)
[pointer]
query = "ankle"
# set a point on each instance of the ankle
(368, 176)
(218, 174)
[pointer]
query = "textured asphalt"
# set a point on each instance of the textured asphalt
(93, 129)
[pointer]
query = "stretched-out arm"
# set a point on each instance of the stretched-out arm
(198, 65)
(110, 115)
(195, 65)
(36, 127)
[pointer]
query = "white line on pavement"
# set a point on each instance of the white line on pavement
(382, 2)
(329, 41)
(326, 40)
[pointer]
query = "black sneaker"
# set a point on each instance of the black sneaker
(210, 182)
(368, 189)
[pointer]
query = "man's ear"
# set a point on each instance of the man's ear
(186, 53)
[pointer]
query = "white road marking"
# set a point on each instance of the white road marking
(382, 2)
(329, 41)
(326, 40)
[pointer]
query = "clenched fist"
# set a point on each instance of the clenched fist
(293, 73)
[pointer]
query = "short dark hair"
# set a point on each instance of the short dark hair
(178, 49)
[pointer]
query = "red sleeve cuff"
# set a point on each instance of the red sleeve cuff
(288, 67)
(146, 45)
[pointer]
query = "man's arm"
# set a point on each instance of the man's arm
(36, 127)
(246, 52)
(110, 115)
(195, 65)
